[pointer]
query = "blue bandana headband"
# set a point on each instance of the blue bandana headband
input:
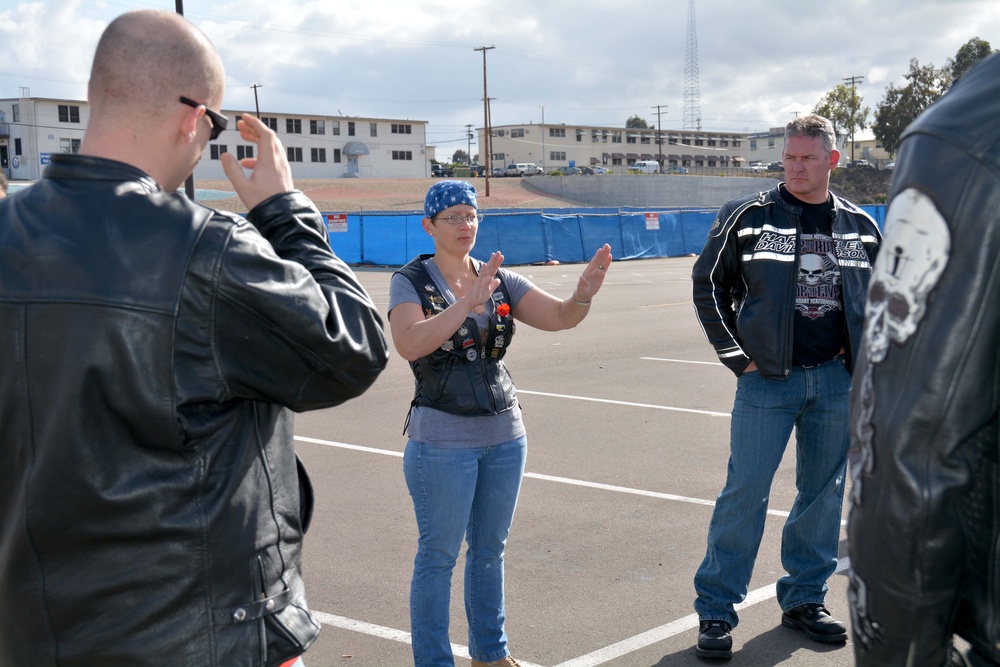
(444, 194)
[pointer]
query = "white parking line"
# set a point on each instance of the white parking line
(710, 413)
(386, 633)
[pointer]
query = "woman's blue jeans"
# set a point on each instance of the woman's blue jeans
(458, 493)
(813, 401)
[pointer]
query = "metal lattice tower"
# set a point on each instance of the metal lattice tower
(692, 94)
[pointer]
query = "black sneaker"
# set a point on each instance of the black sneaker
(714, 640)
(814, 620)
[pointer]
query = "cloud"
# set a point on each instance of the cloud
(587, 62)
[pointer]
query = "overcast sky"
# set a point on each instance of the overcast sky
(578, 62)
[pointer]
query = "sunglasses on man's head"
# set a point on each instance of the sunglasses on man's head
(218, 121)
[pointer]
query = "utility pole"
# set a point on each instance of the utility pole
(854, 80)
(659, 135)
(189, 181)
(255, 87)
(486, 119)
(543, 139)
(468, 137)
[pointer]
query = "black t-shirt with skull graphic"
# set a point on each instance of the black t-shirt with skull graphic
(819, 310)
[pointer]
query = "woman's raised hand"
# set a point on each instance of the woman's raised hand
(593, 276)
(485, 283)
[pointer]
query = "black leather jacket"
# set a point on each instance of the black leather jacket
(744, 280)
(924, 526)
(150, 497)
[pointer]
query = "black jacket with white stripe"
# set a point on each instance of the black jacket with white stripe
(745, 279)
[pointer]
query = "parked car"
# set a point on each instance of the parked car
(676, 170)
(861, 164)
(523, 169)
(441, 171)
(890, 166)
(599, 170)
(476, 170)
(776, 166)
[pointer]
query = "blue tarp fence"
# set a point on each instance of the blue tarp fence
(532, 236)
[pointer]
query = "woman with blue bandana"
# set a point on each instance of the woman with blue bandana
(452, 318)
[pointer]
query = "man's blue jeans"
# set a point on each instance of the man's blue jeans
(813, 401)
(456, 493)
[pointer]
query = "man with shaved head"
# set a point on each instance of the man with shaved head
(152, 507)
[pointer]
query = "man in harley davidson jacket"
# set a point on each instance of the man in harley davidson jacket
(779, 290)
(152, 508)
(924, 527)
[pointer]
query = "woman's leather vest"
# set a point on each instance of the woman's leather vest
(466, 374)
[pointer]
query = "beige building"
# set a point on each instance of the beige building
(33, 128)
(614, 148)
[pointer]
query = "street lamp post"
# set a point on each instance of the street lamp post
(543, 139)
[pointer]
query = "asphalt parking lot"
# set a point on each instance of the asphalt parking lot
(628, 419)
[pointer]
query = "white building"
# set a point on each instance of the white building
(554, 146)
(32, 128)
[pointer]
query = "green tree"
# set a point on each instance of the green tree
(968, 55)
(842, 107)
(635, 122)
(460, 157)
(902, 105)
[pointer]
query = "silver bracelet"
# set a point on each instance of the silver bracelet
(580, 303)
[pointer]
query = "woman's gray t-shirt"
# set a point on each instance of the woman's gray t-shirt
(443, 429)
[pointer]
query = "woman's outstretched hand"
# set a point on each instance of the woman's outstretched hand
(592, 277)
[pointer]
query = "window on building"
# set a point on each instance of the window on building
(604, 137)
(402, 155)
(629, 139)
(557, 131)
(593, 136)
(770, 143)
(69, 113)
(373, 129)
(686, 141)
(317, 127)
(616, 137)
(753, 144)
(17, 145)
(216, 150)
(724, 143)
(69, 145)
(616, 161)
(502, 157)
(16, 112)
(335, 128)
(557, 156)
(403, 128)
(579, 135)
(293, 125)
(645, 139)
(712, 142)
(350, 128)
(517, 133)
(270, 122)
(699, 142)
(736, 143)
(672, 141)
(294, 153)
(244, 152)
(318, 154)
(336, 155)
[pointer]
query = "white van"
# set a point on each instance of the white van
(645, 167)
